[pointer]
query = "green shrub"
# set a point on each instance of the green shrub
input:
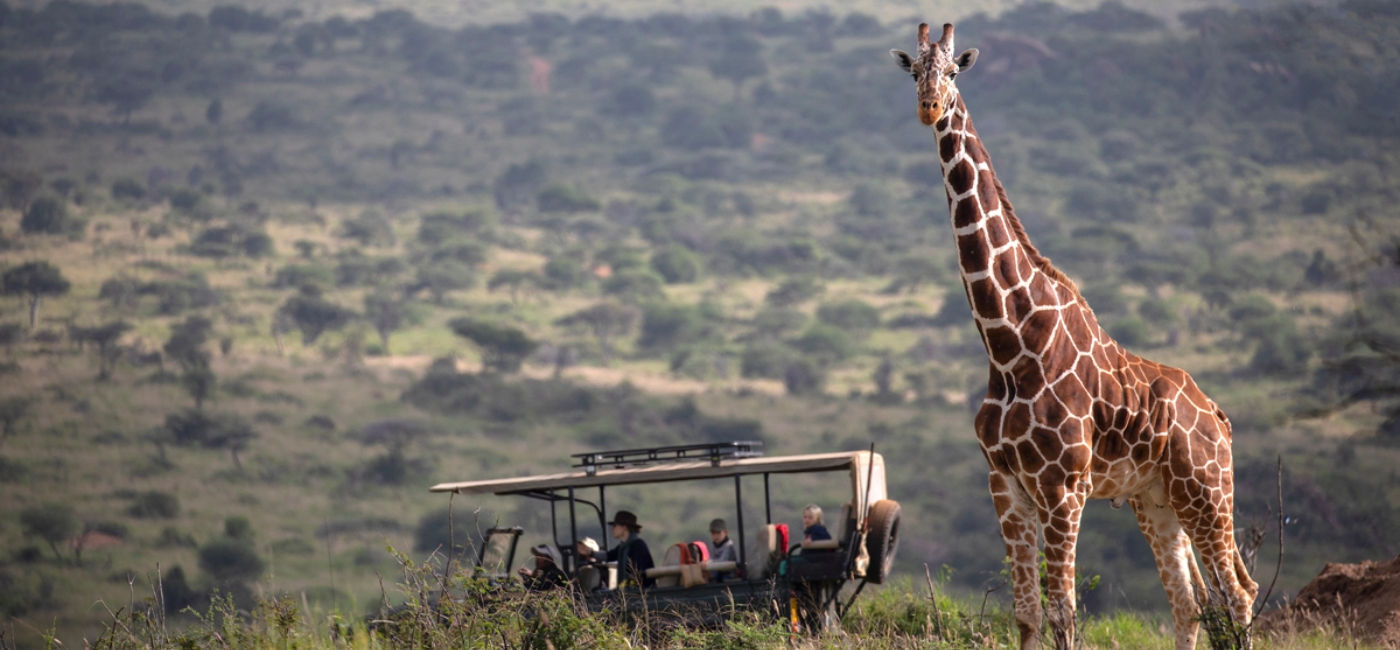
(238, 527)
(128, 189)
(154, 505)
(171, 537)
(230, 560)
(676, 264)
(49, 215)
(854, 316)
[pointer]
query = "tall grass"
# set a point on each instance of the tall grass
(462, 610)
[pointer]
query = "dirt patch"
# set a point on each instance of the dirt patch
(1357, 600)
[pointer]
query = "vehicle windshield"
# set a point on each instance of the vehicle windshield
(497, 552)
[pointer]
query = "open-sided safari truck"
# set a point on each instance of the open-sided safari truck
(801, 582)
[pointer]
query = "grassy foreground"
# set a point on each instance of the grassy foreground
(478, 615)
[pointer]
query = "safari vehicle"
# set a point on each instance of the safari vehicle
(803, 583)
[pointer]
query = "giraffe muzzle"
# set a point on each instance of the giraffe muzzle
(929, 113)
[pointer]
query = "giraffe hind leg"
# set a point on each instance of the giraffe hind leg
(1171, 548)
(1206, 516)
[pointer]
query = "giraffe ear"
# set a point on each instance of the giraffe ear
(904, 60)
(966, 59)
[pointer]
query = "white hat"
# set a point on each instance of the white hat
(591, 544)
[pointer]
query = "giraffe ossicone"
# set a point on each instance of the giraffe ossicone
(1070, 415)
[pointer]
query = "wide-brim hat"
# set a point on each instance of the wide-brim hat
(547, 550)
(625, 518)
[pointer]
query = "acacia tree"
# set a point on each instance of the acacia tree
(395, 436)
(34, 280)
(186, 347)
(106, 337)
(385, 311)
(605, 321)
(516, 282)
(52, 523)
(313, 314)
(12, 410)
(503, 348)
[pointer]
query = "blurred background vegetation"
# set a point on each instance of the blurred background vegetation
(269, 272)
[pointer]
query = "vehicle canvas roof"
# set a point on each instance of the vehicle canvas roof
(856, 461)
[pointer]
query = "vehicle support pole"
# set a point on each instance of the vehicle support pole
(767, 501)
(603, 517)
(573, 529)
(553, 518)
(739, 510)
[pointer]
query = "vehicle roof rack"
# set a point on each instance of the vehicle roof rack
(714, 451)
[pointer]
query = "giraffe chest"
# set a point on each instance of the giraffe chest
(1073, 430)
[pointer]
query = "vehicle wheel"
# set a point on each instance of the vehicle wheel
(883, 539)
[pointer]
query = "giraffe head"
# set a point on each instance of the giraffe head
(933, 69)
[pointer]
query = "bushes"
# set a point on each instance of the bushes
(229, 560)
(154, 505)
(48, 215)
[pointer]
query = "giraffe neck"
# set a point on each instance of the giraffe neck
(1008, 282)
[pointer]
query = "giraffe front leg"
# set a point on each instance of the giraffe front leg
(1171, 548)
(1019, 531)
(1059, 519)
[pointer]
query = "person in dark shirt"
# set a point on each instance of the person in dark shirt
(547, 574)
(631, 554)
(812, 528)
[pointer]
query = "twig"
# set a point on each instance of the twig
(932, 599)
(1278, 566)
(451, 545)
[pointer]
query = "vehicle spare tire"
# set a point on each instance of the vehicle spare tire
(882, 540)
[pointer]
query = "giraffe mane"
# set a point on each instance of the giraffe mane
(1041, 261)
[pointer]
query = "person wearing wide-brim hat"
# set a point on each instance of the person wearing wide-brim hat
(631, 554)
(548, 573)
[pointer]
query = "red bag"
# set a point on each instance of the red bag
(782, 530)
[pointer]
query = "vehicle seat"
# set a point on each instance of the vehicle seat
(592, 577)
(668, 573)
(763, 550)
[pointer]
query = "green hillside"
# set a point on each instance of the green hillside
(292, 269)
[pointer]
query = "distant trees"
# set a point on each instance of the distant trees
(503, 348)
(49, 215)
(105, 337)
(52, 523)
(34, 280)
(438, 278)
(12, 411)
(227, 560)
(739, 59)
(676, 264)
(186, 347)
(605, 321)
(519, 184)
(369, 228)
(670, 326)
(385, 310)
(195, 428)
(313, 314)
(853, 315)
(515, 281)
(395, 435)
(557, 197)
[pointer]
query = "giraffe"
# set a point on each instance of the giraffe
(1069, 414)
